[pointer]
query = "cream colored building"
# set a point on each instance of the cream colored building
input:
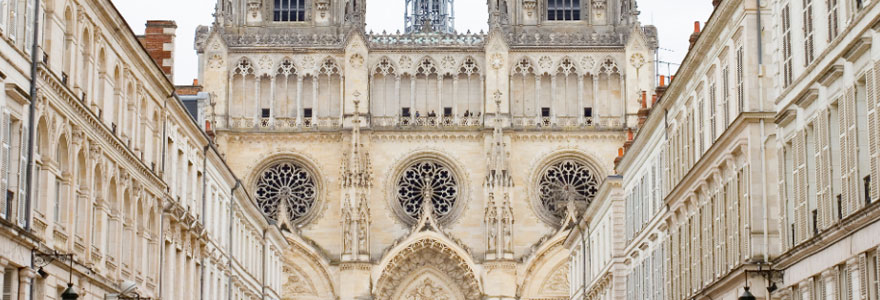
(122, 179)
(342, 136)
(755, 167)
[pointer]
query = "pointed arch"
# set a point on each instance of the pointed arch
(306, 272)
(426, 252)
(543, 267)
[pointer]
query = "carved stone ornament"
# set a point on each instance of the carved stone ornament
(566, 182)
(497, 61)
(356, 61)
(254, 7)
(529, 6)
(637, 60)
(426, 180)
(286, 189)
(427, 290)
(447, 63)
(322, 6)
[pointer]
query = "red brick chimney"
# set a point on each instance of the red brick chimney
(695, 35)
(158, 39)
(644, 111)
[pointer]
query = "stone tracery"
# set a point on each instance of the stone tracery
(427, 179)
(286, 189)
(567, 181)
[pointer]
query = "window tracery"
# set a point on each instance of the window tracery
(384, 67)
(286, 188)
(563, 182)
(523, 67)
(469, 67)
(286, 68)
(427, 180)
(244, 67)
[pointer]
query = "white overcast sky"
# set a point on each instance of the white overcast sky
(674, 20)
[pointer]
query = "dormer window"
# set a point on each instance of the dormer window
(290, 10)
(563, 10)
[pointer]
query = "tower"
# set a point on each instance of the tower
(429, 16)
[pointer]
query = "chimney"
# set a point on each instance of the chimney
(619, 156)
(660, 90)
(695, 35)
(158, 39)
(644, 111)
(629, 139)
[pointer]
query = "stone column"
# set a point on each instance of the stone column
(3, 263)
(25, 276)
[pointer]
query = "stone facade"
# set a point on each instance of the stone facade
(342, 136)
(754, 169)
(122, 178)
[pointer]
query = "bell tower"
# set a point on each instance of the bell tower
(429, 16)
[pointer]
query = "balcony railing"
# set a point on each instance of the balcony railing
(426, 122)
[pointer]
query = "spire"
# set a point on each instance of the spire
(498, 153)
(429, 16)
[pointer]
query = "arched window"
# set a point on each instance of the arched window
(563, 10)
(286, 189)
(290, 10)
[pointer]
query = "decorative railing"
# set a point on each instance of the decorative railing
(426, 122)
(566, 122)
(282, 123)
(421, 39)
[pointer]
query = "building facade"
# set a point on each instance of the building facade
(342, 136)
(121, 177)
(753, 171)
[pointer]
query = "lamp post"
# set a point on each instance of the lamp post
(42, 259)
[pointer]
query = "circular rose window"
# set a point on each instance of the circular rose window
(562, 182)
(286, 188)
(426, 180)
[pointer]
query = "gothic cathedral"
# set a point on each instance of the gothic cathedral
(428, 163)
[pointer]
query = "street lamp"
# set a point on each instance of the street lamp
(746, 295)
(69, 293)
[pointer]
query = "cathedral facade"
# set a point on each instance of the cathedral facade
(427, 163)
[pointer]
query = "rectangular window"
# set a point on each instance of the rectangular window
(405, 112)
(588, 112)
(290, 10)
(563, 10)
(786, 46)
(265, 112)
(740, 80)
(832, 9)
(836, 172)
(713, 133)
(545, 112)
(447, 111)
(788, 172)
(809, 52)
(725, 96)
(307, 113)
(862, 148)
(57, 205)
(8, 282)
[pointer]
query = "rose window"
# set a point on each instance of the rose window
(288, 188)
(565, 181)
(427, 180)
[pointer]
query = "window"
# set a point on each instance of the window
(265, 112)
(447, 111)
(286, 189)
(725, 96)
(588, 112)
(861, 136)
(563, 10)
(57, 206)
(307, 113)
(809, 52)
(833, 19)
(713, 102)
(545, 112)
(740, 80)
(5, 163)
(405, 112)
(290, 10)
(786, 46)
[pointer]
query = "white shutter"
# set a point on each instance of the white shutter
(800, 188)
(852, 152)
(8, 281)
(784, 198)
(823, 168)
(744, 214)
(863, 276)
(22, 175)
(4, 164)
(848, 190)
(874, 151)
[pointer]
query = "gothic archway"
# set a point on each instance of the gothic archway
(427, 269)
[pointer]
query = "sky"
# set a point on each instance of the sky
(674, 22)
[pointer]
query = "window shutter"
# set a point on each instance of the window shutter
(863, 276)
(851, 156)
(736, 219)
(876, 273)
(847, 151)
(22, 175)
(4, 163)
(870, 88)
(744, 214)
(800, 188)
(783, 198)
(823, 163)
